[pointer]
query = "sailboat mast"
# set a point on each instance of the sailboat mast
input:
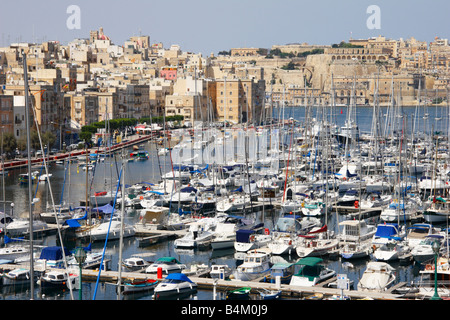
(30, 192)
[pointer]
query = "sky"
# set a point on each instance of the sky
(210, 26)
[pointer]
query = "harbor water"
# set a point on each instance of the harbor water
(68, 184)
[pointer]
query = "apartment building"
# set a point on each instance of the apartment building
(239, 100)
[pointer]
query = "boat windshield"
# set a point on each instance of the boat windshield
(287, 225)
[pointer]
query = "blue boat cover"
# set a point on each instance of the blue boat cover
(107, 208)
(386, 230)
(73, 223)
(178, 276)
(188, 189)
(53, 253)
(243, 235)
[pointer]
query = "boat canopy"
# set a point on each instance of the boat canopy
(53, 253)
(168, 259)
(386, 230)
(309, 267)
(179, 277)
(282, 265)
(243, 235)
(188, 189)
(107, 208)
(309, 261)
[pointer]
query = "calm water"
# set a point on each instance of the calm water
(69, 187)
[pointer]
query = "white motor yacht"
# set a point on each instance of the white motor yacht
(167, 265)
(256, 264)
(378, 276)
(174, 284)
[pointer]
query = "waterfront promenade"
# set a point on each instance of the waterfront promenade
(23, 162)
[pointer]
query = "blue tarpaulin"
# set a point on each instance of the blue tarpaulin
(73, 223)
(104, 209)
(386, 230)
(179, 277)
(53, 253)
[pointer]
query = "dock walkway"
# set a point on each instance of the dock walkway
(226, 285)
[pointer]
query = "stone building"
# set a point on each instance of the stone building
(367, 54)
(246, 52)
(239, 100)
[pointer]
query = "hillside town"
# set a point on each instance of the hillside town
(94, 79)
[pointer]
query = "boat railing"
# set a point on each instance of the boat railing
(443, 284)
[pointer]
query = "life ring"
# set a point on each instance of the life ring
(252, 238)
(429, 267)
(141, 197)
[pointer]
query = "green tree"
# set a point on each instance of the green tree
(9, 143)
(289, 66)
(48, 139)
(86, 136)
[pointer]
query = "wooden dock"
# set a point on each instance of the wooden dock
(226, 285)
(151, 235)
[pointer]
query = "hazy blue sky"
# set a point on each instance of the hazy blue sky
(213, 25)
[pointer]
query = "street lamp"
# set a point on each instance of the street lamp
(435, 246)
(80, 256)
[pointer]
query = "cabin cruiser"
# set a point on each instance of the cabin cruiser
(15, 277)
(56, 279)
(285, 233)
(401, 210)
(200, 235)
(153, 217)
(134, 264)
(418, 232)
(349, 198)
(438, 210)
(225, 231)
(220, 271)
(251, 238)
(316, 243)
(426, 286)
(60, 213)
(375, 200)
(283, 270)
(234, 202)
(355, 239)
(387, 232)
(112, 230)
(392, 250)
(378, 276)
(174, 284)
(256, 264)
(310, 272)
(167, 264)
(424, 250)
(20, 227)
(15, 252)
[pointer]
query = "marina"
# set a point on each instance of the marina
(162, 196)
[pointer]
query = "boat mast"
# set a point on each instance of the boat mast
(30, 194)
(122, 218)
